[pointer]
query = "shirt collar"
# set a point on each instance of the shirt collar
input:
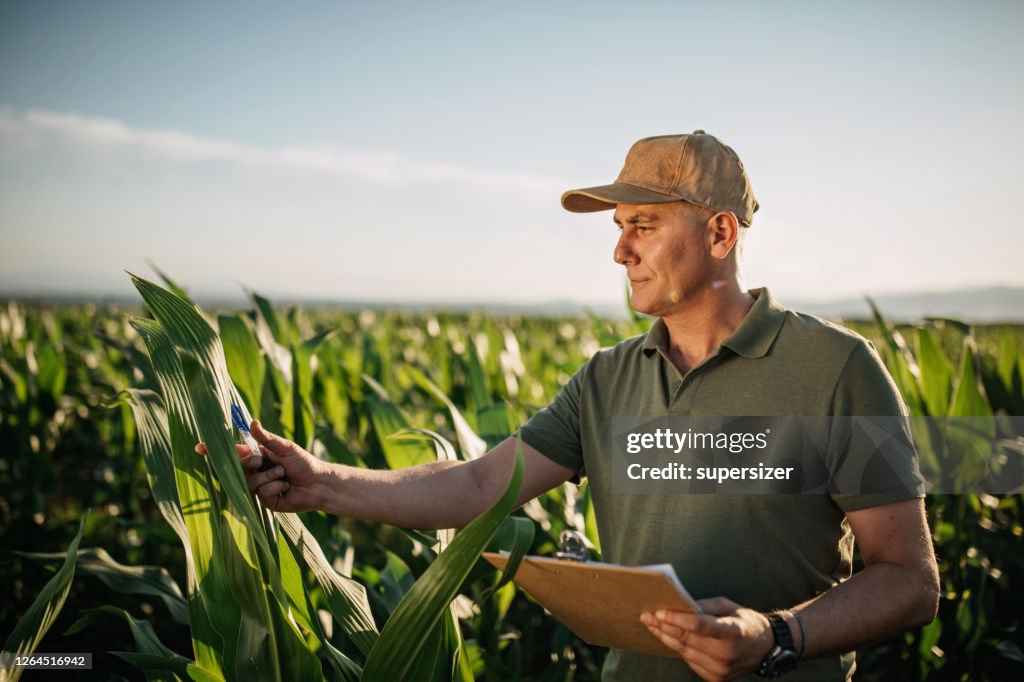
(752, 339)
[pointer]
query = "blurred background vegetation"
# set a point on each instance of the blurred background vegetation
(335, 381)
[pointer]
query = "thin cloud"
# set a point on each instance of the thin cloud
(19, 132)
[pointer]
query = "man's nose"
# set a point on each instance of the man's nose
(623, 253)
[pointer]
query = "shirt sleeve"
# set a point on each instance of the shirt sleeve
(871, 451)
(554, 431)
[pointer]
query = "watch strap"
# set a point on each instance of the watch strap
(782, 657)
(803, 633)
(783, 637)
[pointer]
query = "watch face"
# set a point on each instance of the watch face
(783, 662)
(778, 662)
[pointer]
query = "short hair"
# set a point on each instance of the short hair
(700, 214)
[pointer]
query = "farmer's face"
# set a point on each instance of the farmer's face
(665, 252)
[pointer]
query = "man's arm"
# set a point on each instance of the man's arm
(434, 495)
(898, 589)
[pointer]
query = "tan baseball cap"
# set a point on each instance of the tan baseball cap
(698, 168)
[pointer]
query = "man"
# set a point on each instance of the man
(774, 571)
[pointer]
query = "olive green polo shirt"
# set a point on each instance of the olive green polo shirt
(762, 551)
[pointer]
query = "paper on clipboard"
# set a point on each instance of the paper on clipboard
(601, 602)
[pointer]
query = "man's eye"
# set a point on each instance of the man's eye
(645, 228)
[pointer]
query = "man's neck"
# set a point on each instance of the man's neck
(698, 330)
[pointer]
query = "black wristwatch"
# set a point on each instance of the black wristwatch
(782, 657)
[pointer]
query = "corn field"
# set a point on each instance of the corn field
(119, 540)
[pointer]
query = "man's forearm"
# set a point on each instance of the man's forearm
(728, 640)
(434, 495)
(897, 589)
(878, 602)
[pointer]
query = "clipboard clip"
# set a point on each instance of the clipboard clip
(573, 547)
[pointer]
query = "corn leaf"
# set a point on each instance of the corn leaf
(40, 616)
(902, 364)
(52, 373)
(969, 398)
(387, 420)
(462, 668)
(151, 422)
(346, 599)
(470, 444)
(279, 327)
(302, 386)
(516, 535)
(152, 580)
(302, 407)
(267, 641)
(1008, 364)
(495, 423)
(303, 611)
(276, 402)
(443, 448)
(422, 608)
(936, 374)
(156, 667)
(244, 358)
(214, 613)
(971, 431)
(175, 288)
(590, 517)
(173, 664)
(479, 391)
(269, 644)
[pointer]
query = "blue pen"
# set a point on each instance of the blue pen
(243, 430)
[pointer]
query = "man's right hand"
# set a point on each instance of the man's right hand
(296, 480)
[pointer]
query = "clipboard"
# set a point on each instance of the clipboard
(602, 602)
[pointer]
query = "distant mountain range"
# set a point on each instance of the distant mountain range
(988, 304)
(982, 304)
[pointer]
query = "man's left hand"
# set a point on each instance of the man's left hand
(724, 642)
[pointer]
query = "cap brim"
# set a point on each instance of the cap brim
(605, 197)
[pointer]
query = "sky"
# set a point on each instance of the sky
(416, 152)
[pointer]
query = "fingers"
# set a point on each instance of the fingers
(677, 619)
(268, 491)
(244, 454)
(697, 624)
(257, 479)
(672, 641)
(657, 625)
(272, 442)
(259, 469)
(704, 663)
(250, 462)
(270, 494)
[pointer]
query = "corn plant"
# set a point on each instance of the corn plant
(378, 389)
(251, 615)
(41, 615)
(978, 634)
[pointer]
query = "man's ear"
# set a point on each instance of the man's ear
(723, 230)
